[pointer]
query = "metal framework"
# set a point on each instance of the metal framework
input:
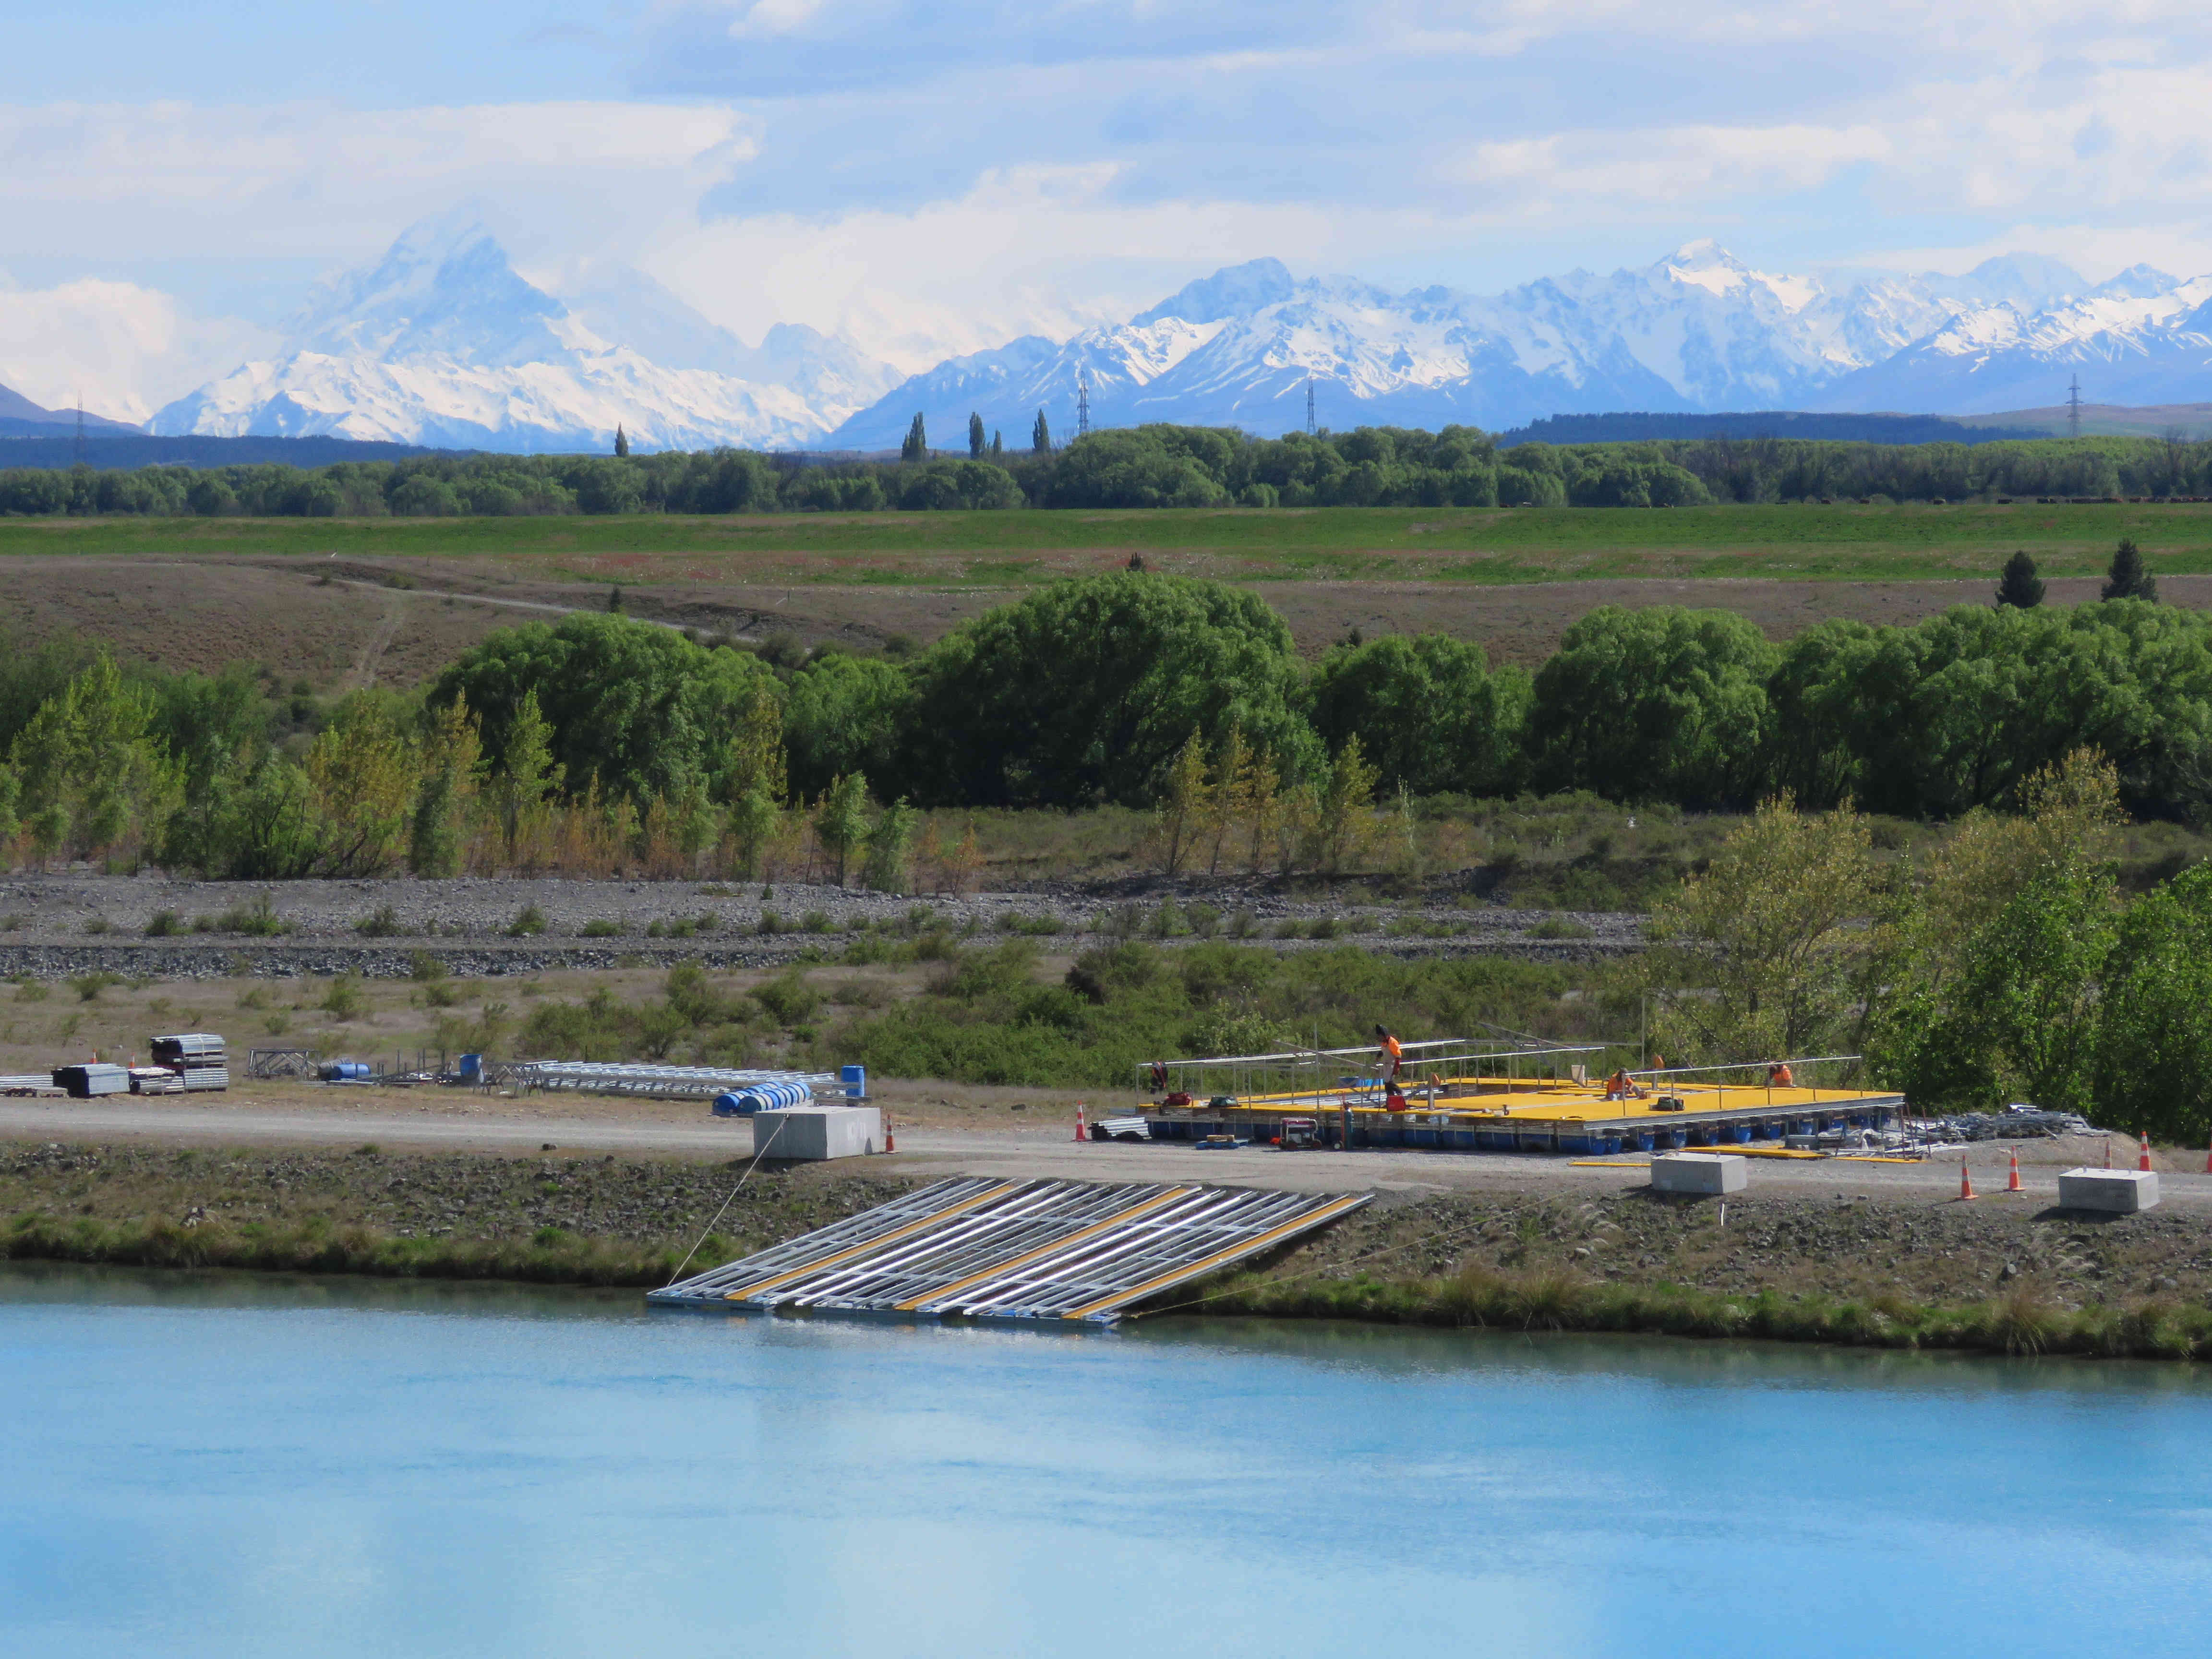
(982, 1247)
(1302, 1075)
(280, 1062)
(658, 1082)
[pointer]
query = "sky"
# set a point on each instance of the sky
(932, 179)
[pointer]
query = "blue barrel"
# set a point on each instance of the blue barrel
(343, 1071)
(855, 1079)
(774, 1096)
(472, 1067)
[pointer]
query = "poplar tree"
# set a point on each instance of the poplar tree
(622, 441)
(841, 822)
(916, 445)
(975, 437)
(528, 778)
(1040, 435)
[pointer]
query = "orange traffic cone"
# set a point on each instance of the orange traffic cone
(2143, 1162)
(891, 1140)
(1082, 1133)
(2108, 1151)
(1966, 1180)
(2012, 1181)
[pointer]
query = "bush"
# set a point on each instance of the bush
(344, 999)
(528, 920)
(1086, 690)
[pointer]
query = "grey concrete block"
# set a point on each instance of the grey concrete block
(1700, 1172)
(2121, 1191)
(818, 1132)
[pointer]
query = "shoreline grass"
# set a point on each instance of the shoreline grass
(551, 1256)
(2022, 1324)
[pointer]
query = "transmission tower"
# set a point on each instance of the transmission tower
(1309, 406)
(1082, 406)
(76, 451)
(2074, 408)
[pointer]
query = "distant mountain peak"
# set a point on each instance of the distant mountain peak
(1232, 291)
(2140, 282)
(443, 288)
(440, 340)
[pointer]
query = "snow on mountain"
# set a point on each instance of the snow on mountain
(442, 342)
(2140, 338)
(1698, 329)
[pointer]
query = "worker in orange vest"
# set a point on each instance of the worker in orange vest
(1390, 1055)
(1777, 1076)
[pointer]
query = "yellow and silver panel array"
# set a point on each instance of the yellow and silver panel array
(979, 1248)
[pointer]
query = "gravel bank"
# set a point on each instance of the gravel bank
(1837, 1246)
(60, 924)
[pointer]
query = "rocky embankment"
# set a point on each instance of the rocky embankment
(2015, 1276)
(59, 925)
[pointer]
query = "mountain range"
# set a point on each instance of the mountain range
(442, 342)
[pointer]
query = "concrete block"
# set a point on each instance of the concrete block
(2120, 1191)
(1700, 1172)
(818, 1132)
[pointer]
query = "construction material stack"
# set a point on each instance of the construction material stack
(197, 1057)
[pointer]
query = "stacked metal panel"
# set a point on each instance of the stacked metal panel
(197, 1057)
(91, 1079)
(980, 1247)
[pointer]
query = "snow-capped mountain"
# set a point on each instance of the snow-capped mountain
(443, 342)
(2140, 338)
(1698, 330)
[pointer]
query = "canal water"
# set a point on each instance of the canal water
(237, 1465)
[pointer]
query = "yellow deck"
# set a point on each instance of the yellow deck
(1563, 1101)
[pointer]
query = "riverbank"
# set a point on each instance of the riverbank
(2000, 1275)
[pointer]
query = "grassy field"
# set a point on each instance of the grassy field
(1846, 543)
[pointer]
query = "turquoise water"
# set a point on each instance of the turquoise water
(239, 1466)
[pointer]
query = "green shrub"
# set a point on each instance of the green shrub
(344, 999)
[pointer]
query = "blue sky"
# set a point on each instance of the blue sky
(932, 178)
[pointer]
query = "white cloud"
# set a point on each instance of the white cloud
(1044, 250)
(123, 348)
(318, 180)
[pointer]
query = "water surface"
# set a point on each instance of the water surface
(240, 1465)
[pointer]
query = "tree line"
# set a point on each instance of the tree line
(1145, 466)
(600, 743)
(2007, 967)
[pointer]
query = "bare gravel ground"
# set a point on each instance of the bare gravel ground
(61, 923)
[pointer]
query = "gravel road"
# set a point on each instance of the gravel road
(453, 1120)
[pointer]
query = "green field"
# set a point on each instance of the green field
(1803, 543)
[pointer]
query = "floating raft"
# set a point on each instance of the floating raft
(1503, 1114)
(980, 1247)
